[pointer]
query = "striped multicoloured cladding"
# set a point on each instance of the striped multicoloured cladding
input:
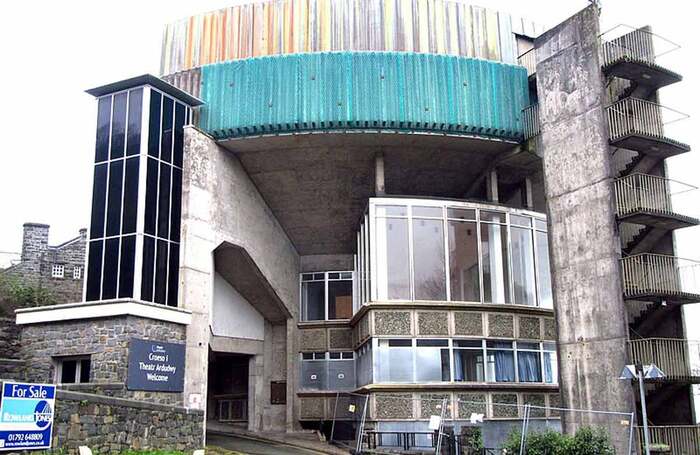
(376, 90)
(297, 26)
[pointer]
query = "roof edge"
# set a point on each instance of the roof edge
(145, 79)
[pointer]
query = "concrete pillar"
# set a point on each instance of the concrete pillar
(379, 189)
(492, 185)
(584, 244)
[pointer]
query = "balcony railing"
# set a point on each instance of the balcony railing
(660, 277)
(653, 200)
(627, 43)
(529, 61)
(531, 121)
(638, 125)
(678, 359)
(683, 439)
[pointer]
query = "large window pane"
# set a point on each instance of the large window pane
(494, 262)
(114, 198)
(469, 365)
(500, 365)
(523, 263)
(166, 131)
(161, 277)
(133, 139)
(464, 261)
(110, 270)
(131, 193)
(126, 266)
(154, 125)
(149, 256)
(428, 260)
(392, 259)
(104, 112)
(164, 201)
(313, 306)
(118, 126)
(544, 283)
(340, 299)
(551, 368)
(529, 369)
(432, 361)
(94, 272)
(99, 192)
(394, 362)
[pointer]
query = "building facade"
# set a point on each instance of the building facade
(59, 269)
(357, 215)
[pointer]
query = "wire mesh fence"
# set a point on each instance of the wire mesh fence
(349, 414)
(445, 424)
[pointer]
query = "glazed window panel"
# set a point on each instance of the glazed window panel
(468, 360)
(339, 299)
(464, 261)
(500, 361)
(118, 126)
(394, 361)
(494, 263)
(104, 114)
(133, 135)
(429, 260)
(393, 260)
(544, 283)
(529, 362)
(523, 262)
(313, 303)
(99, 193)
(432, 361)
(114, 198)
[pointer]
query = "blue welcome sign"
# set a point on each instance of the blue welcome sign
(26, 415)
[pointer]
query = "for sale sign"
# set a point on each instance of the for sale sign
(26, 416)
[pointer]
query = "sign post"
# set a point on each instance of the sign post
(26, 416)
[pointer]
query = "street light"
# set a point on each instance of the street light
(639, 372)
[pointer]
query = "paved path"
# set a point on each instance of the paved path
(255, 447)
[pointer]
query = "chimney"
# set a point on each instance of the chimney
(35, 241)
(83, 234)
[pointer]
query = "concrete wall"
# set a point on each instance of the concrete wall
(584, 243)
(221, 206)
(233, 315)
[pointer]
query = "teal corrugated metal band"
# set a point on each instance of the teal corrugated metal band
(345, 90)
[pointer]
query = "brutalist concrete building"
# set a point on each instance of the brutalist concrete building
(426, 204)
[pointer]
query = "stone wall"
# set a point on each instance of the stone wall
(106, 341)
(38, 259)
(111, 425)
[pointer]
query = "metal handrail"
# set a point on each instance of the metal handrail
(649, 193)
(639, 44)
(659, 274)
(531, 121)
(529, 61)
(672, 355)
(683, 439)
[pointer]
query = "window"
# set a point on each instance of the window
(394, 361)
(57, 271)
(529, 362)
(449, 251)
(326, 296)
(432, 360)
(500, 366)
(328, 371)
(77, 272)
(72, 370)
(468, 360)
(551, 368)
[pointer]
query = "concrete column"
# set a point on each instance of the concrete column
(379, 189)
(584, 244)
(492, 185)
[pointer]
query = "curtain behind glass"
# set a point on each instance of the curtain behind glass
(494, 263)
(501, 366)
(529, 366)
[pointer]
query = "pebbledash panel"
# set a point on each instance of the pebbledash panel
(134, 238)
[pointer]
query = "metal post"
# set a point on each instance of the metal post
(640, 377)
(526, 415)
(335, 412)
(361, 432)
(442, 420)
(629, 450)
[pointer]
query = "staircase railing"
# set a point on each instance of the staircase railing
(649, 193)
(679, 359)
(527, 59)
(628, 43)
(631, 116)
(683, 439)
(531, 121)
(658, 274)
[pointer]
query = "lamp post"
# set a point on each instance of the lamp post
(639, 372)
